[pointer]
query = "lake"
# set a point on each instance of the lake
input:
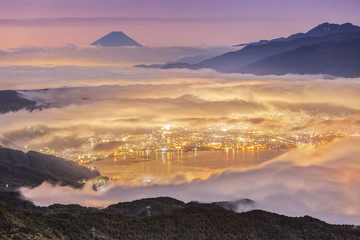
(148, 167)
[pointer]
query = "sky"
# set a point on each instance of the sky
(158, 23)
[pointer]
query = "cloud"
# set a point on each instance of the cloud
(316, 108)
(108, 146)
(83, 101)
(322, 184)
(346, 125)
(256, 120)
(103, 56)
(109, 102)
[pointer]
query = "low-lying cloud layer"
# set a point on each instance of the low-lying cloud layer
(323, 184)
(86, 101)
(83, 102)
(106, 56)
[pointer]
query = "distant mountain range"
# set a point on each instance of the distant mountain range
(116, 39)
(320, 31)
(19, 169)
(326, 49)
(170, 219)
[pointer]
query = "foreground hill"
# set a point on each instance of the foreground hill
(175, 220)
(19, 169)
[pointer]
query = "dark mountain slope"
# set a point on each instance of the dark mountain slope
(232, 61)
(19, 169)
(333, 58)
(11, 101)
(228, 62)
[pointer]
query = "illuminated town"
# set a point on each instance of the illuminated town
(169, 139)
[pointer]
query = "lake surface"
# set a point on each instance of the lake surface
(148, 167)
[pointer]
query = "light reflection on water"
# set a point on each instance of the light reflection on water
(164, 167)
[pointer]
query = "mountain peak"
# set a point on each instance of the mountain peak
(331, 28)
(116, 39)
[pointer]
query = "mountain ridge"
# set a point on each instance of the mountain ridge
(175, 220)
(319, 31)
(240, 61)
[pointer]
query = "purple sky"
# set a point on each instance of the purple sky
(165, 22)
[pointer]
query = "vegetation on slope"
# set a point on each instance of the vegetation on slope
(176, 220)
